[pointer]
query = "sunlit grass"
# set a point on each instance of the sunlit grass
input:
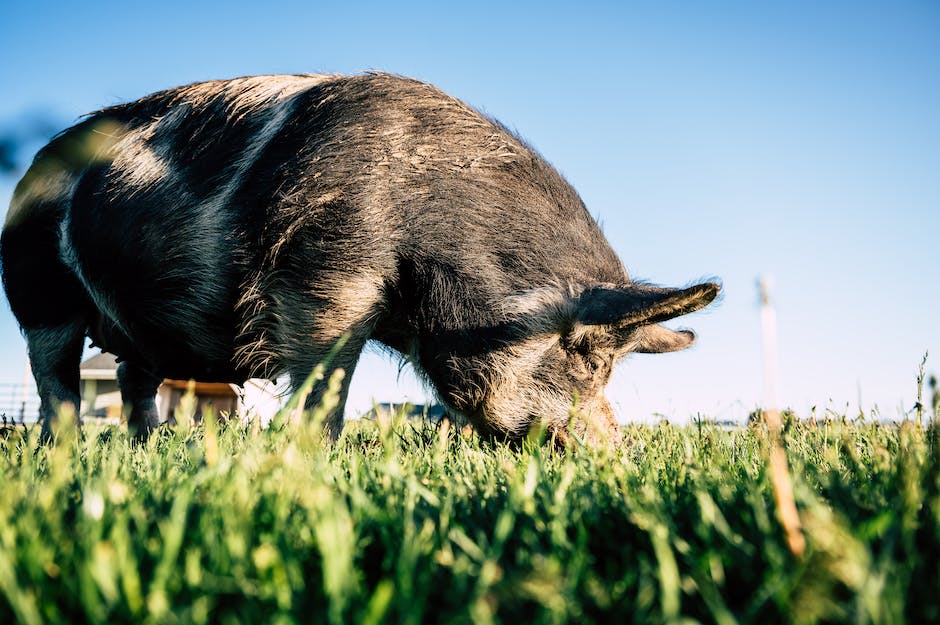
(407, 522)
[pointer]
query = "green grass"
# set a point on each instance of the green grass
(405, 522)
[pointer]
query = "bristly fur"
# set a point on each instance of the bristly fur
(241, 227)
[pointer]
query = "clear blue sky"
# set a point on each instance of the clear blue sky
(799, 139)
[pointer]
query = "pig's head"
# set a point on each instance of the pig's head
(551, 360)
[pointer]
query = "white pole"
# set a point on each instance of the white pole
(779, 471)
(768, 323)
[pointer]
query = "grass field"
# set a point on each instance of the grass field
(407, 522)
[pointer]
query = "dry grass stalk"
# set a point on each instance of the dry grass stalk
(783, 486)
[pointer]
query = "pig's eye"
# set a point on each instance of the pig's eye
(593, 361)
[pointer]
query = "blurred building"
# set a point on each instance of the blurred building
(101, 397)
(432, 412)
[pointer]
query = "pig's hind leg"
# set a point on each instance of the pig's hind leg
(55, 355)
(138, 391)
(51, 306)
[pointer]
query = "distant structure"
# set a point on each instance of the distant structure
(432, 412)
(19, 403)
(101, 397)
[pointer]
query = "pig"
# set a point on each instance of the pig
(244, 228)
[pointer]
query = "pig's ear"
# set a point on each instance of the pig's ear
(657, 340)
(641, 305)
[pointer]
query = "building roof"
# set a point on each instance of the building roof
(101, 366)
